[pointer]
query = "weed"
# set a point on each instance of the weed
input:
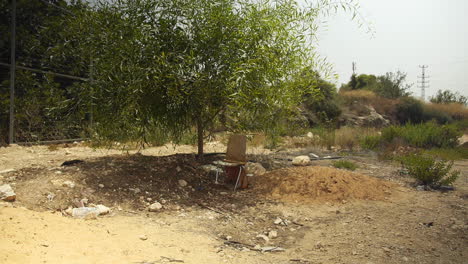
(345, 164)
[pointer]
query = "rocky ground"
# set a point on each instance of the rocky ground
(194, 220)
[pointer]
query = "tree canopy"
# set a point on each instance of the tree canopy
(170, 66)
(448, 97)
(391, 85)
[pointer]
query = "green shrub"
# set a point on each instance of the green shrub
(409, 110)
(429, 171)
(345, 164)
(370, 142)
(427, 135)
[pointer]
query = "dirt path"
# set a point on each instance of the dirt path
(409, 226)
(42, 237)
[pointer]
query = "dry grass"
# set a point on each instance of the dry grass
(456, 111)
(383, 106)
(350, 137)
(363, 96)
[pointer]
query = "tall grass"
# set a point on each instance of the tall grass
(454, 110)
(425, 135)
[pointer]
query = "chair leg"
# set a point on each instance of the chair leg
(238, 177)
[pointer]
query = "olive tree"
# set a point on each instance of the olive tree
(168, 66)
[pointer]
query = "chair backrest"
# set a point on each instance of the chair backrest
(236, 148)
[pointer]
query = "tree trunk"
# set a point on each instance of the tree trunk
(200, 136)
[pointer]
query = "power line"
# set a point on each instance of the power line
(423, 83)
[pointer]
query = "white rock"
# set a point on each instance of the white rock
(182, 183)
(102, 209)
(264, 237)
(310, 135)
(7, 193)
(178, 169)
(143, 237)
(7, 170)
(255, 168)
(154, 207)
(135, 190)
(68, 184)
(88, 212)
(208, 168)
(278, 221)
(101, 185)
(273, 234)
(313, 155)
(301, 161)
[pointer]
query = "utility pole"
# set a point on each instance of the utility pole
(354, 68)
(423, 82)
(11, 133)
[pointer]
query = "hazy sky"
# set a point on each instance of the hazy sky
(408, 33)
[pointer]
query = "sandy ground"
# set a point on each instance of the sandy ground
(410, 226)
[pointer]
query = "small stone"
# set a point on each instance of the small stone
(386, 249)
(223, 193)
(101, 185)
(135, 190)
(228, 238)
(310, 135)
(255, 169)
(301, 161)
(257, 247)
(263, 237)
(7, 193)
(149, 199)
(50, 197)
(273, 234)
(154, 207)
(178, 169)
(68, 184)
(313, 155)
(182, 183)
(143, 237)
(278, 221)
(405, 259)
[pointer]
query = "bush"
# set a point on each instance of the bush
(428, 171)
(370, 142)
(345, 164)
(409, 110)
(434, 114)
(427, 135)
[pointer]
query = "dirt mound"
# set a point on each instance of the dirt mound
(308, 184)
